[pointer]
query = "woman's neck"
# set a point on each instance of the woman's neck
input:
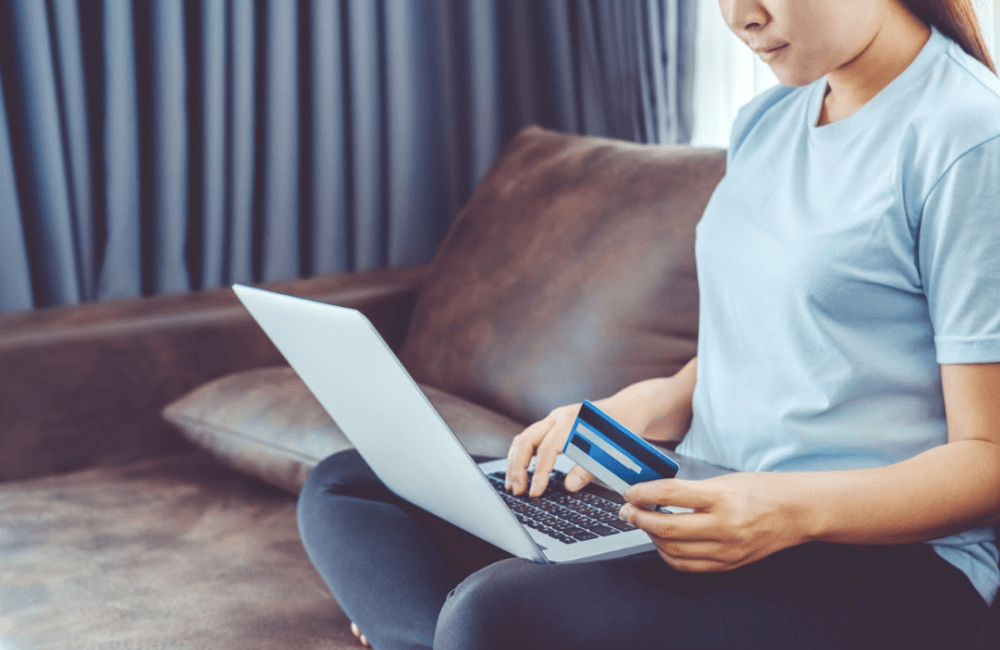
(896, 44)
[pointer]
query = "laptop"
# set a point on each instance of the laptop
(361, 383)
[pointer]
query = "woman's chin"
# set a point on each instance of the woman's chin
(792, 77)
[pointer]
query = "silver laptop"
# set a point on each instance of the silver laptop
(362, 385)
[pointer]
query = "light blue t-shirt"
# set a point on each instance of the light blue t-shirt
(840, 265)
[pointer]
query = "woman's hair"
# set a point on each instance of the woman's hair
(957, 20)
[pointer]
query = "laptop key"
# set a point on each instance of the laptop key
(583, 536)
(608, 506)
(603, 531)
(559, 511)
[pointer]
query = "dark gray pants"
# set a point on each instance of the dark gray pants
(412, 580)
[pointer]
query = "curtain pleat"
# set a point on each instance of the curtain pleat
(329, 243)
(652, 68)
(561, 62)
(281, 143)
(37, 139)
(483, 88)
(365, 74)
(161, 147)
(412, 133)
(678, 110)
(165, 146)
(68, 49)
(120, 265)
(242, 142)
(207, 248)
(15, 277)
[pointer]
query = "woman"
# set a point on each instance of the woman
(849, 341)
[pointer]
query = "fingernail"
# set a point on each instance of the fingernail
(574, 482)
(624, 512)
(506, 485)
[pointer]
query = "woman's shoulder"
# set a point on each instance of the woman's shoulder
(960, 70)
(958, 109)
(956, 114)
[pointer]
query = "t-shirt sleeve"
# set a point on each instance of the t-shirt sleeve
(958, 254)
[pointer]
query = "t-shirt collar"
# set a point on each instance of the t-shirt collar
(934, 46)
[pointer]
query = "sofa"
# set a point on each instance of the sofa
(151, 449)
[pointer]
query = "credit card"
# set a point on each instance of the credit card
(612, 453)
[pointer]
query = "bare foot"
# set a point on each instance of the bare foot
(357, 633)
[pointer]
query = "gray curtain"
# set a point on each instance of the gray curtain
(164, 146)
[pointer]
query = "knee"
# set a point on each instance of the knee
(492, 608)
(345, 473)
(341, 473)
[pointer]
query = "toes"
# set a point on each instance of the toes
(357, 632)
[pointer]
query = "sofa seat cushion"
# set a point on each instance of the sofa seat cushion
(568, 274)
(174, 552)
(266, 423)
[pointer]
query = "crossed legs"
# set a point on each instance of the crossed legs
(410, 580)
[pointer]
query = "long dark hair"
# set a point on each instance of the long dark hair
(957, 20)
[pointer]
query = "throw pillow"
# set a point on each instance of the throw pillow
(266, 423)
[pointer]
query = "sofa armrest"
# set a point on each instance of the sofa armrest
(84, 385)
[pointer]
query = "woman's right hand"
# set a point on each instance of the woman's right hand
(546, 439)
(658, 409)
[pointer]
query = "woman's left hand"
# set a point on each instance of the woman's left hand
(737, 519)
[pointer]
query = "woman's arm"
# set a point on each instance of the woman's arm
(659, 409)
(662, 404)
(940, 492)
(740, 518)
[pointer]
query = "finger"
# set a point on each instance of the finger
(547, 453)
(702, 550)
(518, 442)
(692, 566)
(576, 478)
(521, 451)
(691, 527)
(672, 492)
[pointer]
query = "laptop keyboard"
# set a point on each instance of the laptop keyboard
(569, 517)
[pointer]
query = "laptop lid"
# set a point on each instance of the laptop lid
(359, 381)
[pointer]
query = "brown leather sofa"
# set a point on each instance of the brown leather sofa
(567, 275)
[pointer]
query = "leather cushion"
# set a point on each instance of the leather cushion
(174, 552)
(569, 274)
(266, 423)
